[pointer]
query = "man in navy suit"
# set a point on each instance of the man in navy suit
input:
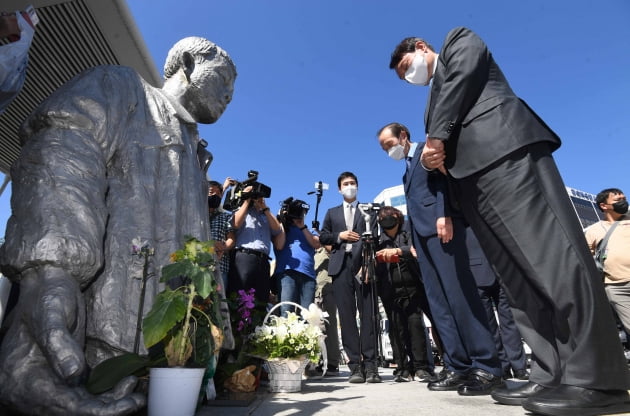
(497, 154)
(440, 236)
(342, 229)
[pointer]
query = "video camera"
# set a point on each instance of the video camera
(237, 194)
(372, 206)
(368, 210)
(292, 209)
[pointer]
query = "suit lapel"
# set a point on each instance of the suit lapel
(427, 110)
(436, 83)
(415, 161)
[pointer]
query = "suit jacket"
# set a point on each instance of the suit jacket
(473, 109)
(335, 223)
(428, 199)
(426, 194)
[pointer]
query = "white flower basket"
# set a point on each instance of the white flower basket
(285, 374)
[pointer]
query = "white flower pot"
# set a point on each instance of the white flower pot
(174, 391)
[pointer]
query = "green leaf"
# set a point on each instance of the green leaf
(107, 374)
(202, 279)
(173, 270)
(204, 345)
(205, 258)
(168, 310)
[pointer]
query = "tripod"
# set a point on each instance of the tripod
(368, 276)
(319, 186)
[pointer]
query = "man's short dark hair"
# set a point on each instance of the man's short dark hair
(396, 129)
(405, 46)
(602, 197)
(217, 184)
(345, 175)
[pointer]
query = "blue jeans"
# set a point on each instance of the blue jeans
(298, 288)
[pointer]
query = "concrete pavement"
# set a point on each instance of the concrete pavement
(335, 396)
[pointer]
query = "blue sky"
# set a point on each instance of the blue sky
(314, 85)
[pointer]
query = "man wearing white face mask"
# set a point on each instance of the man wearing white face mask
(497, 154)
(450, 259)
(342, 229)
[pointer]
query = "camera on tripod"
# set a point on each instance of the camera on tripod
(237, 194)
(368, 210)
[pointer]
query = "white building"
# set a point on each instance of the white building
(583, 203)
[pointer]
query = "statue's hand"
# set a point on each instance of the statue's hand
(50, 323)
(56, 319)
(121, 400)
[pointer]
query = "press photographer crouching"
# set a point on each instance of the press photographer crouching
(402, 294)
(295, 257)
(256, 228)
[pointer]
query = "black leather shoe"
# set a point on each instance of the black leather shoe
(372, 377)
(451, 381)
(572, 400)
(357, 376)
(402, 376)
(507, 374)
(480, 382)
(516, 396)
(423, 376)
(521, 374)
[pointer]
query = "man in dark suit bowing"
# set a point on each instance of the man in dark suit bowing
(497, 154)
(443, 243)
(342, 229)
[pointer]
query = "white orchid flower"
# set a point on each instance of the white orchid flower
(314, 315)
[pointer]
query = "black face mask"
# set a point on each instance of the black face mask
(214, 201)
(620, 207)
(388, 222)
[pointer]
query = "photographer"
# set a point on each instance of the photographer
(256, 227)
(220, 228)
(402, 293)
(295, 257)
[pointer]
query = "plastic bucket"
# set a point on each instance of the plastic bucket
(174, 391)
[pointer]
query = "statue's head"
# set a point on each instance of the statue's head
(200, 75)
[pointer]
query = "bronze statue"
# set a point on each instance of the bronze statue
(107, 158)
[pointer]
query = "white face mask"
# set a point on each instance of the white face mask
(396, 152)
(418, 73)
(349, 192)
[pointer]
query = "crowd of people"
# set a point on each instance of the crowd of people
(465, 249)
(331, 266)
(466, 257)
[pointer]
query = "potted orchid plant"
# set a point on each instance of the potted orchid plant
(177, 315)
(186, 321)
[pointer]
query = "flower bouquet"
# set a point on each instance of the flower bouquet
(288, 344)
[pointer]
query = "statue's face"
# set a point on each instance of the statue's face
(210, 89)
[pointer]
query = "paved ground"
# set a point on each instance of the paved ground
(335, 396)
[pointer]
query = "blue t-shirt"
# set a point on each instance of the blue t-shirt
(297, 254)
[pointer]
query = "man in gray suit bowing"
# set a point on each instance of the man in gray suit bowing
(496, 153)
